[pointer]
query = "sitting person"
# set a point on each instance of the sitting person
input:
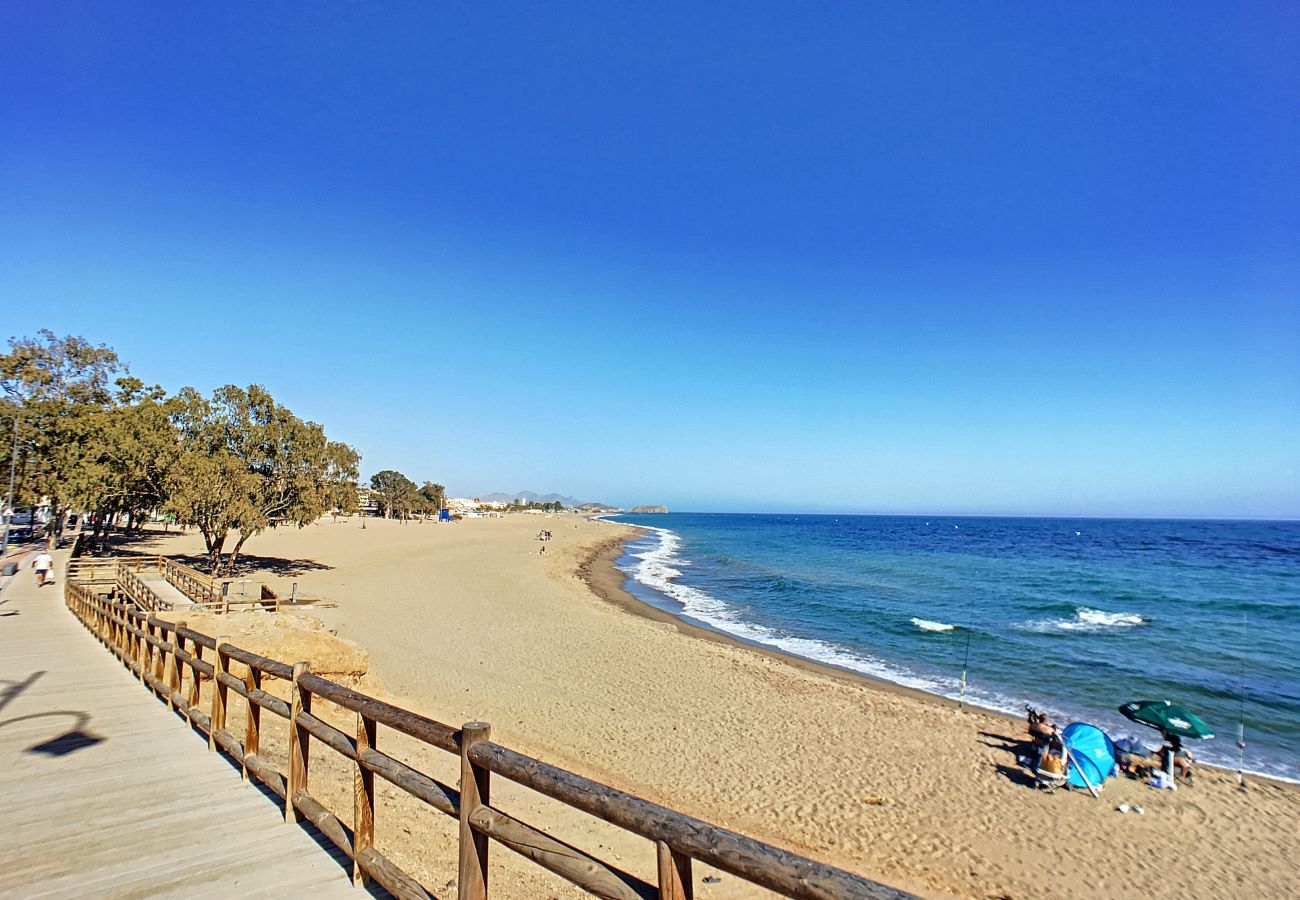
(1181, 759)
(1135, 766)
(1040, 728)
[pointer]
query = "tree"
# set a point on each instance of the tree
(397, 493)
(133, 452)
(433, 497)
(247, 463)
(58, 386)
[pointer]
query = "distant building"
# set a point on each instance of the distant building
(367, 501)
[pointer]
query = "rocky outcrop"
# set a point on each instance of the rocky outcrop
(649, 509)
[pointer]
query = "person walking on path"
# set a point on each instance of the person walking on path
(44, 565)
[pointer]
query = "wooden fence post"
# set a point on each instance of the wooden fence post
(674, 874)
(299, 743)
(252, 719)
(141, 649)
(174, 677)
(148, 651)
(471, 883)
(217, 717)
(363, 819)
(160, 658)
(192, 696)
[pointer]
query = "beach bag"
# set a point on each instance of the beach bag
(1051, 763)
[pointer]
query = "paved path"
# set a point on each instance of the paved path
(105, 793)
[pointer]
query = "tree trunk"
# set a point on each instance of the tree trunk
(52, 527)
(214, 544)
(101, 528)
(234, 554)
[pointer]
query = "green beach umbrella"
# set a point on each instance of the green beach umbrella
(1167, 718)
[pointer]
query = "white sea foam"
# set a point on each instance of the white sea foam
(657, 567)
(1087, 621)
(927, 625)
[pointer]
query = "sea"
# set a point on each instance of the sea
(1075, 616)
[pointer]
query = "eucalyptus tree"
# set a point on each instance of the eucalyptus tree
(433, 497)
(247, 463)
(57, 387)
(397, 494)
(133, 451)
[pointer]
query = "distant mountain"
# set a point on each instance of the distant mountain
(530, 497)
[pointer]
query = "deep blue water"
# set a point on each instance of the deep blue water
(1074, 615)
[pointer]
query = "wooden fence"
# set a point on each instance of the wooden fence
(123, 573)
(172, 660)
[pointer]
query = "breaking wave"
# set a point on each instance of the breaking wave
(1086, 620)
(656, 567)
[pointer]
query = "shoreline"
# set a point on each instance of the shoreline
(599, 570)
(475, 623)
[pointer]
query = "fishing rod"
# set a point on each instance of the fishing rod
(1241, 722)
(970, 627)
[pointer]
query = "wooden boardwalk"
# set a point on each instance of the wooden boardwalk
(105, 793)
(170, 597)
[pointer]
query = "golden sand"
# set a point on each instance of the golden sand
(469, 621)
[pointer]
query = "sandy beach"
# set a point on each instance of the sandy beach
(469, 621)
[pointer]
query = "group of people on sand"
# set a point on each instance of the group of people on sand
(1048, 752)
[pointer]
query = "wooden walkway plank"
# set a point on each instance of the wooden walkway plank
(107, 793)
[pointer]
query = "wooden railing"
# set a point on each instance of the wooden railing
(103, 569)
(130, 583)
(170, 660)
(192, 583)
(202, 590)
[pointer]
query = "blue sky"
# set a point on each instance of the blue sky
(919, 258)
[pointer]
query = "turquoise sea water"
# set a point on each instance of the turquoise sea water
(1073, 615)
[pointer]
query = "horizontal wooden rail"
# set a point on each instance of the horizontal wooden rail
(169, 658)
(261, 663)
(409, 723)
(203, 591)
(570, 863)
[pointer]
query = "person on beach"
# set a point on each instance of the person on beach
(1181, 760)
(43, 564)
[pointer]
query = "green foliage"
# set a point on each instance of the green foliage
(93, 438)
(555, 506)
(57, 387)
(134, 454)
(432, 498)
(398, 496)
(247, 463)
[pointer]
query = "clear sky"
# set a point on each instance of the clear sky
(891, 257)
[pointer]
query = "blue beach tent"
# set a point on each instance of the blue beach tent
(1091, 753)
